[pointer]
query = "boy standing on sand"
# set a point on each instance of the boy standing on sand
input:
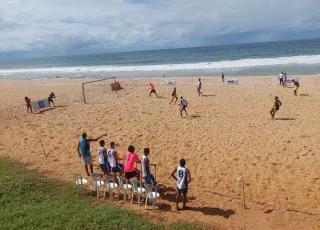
(183, 106)
(129, 170)
(113, 160)
(199, 87)
(183, 178)
(174, 96)
(222, 76)
(276, 107)
(281, 78)
(153, 90)
(296, 87)
(102, 152)
(28, 103)
(84, 146)
(146, 168)
(50, 98)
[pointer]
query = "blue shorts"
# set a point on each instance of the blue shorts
(105, 168)
(118, 168)
(148, 181)
(183, 190)
(183, 108)
(198, 89)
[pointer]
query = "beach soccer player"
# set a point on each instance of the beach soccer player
(85, 153)
(131, 158)
(222, 76)
(183, 106)
(50, 98)
(174, 96)
(113, 160)
(276, 106)
(146, 168)
(102, 153)
(183, 178)
(199, 87)
(296, 87)
(28, 104)
(153, 90)
(281, 78)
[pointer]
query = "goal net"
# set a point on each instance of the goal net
(99, 91)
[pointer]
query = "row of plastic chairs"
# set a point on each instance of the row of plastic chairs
(135, 187)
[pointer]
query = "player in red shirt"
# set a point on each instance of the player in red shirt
(131, 158)
(153, 90)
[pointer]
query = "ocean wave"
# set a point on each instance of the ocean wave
(235, 64)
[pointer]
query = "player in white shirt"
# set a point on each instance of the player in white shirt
(113, 159)
(199, 86)
(183, 178)
(183, 106)
(281, 78)
(102, 153)
(146, 168)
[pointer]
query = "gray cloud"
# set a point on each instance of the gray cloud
(70, 26)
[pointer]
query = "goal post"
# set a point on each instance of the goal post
(94, 86)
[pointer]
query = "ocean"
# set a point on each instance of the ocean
(257, 59)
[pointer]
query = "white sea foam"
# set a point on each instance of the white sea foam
(236, 64)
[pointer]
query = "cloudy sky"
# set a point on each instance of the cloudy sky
(58, 27)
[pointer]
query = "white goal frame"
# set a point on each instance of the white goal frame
(88, 82)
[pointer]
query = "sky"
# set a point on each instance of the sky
(64, 27)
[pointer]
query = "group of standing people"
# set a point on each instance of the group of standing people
(109, 164)
(29, 103)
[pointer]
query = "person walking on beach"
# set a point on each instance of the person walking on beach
(146, 168)
(276, 106)
(199, 87)
(222, 76)
(183, 178)
(28, 104)
(183, 106)
(296, 87)
(85, 153)
(174, 96)
(113, 160)
(102, 153)
(50, 98)
(281, 78)
(129, 170)
(153, 90)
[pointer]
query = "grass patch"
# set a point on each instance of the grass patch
(28, 201)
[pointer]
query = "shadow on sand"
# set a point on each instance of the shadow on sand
(214, 211)
(286, 119)
(208, 95)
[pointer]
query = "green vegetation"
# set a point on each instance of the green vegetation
(28, 201)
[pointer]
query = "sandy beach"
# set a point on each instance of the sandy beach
(228, 133)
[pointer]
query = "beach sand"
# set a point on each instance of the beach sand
(228, 133)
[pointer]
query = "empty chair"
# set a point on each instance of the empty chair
(96, 184)
(79, 181)
(109, 185)
(136, 190)
(124, 186)
(151, 195)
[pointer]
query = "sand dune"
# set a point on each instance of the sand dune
(228, 133)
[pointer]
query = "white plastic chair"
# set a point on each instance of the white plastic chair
(151, 195)
(136, 190)
(79, 181)
(96, 184)
(123, 186)
(109, 185)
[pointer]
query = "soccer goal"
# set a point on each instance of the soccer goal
(98, 91)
